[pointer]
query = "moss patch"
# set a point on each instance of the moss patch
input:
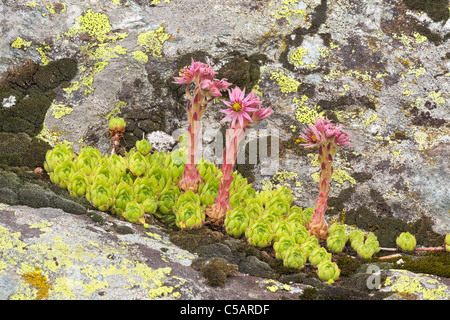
(437, 10)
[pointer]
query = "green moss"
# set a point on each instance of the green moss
(437, 10)
(216, 271)
(436, 263)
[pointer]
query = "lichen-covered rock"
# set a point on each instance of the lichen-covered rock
(379, 68)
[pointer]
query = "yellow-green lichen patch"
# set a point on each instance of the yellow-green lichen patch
(116, 110)
(19, 43)
(140, 56)
(60, 110)
(155, 2)
(42, 49)
(37, 280)
(406, 283)
(293, 11)
(286, 83)
(306, 114)
(152, 41)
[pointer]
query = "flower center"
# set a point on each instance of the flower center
(313, 137)
(236, 106)
(184, 72)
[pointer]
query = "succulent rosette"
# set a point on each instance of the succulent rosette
(134, 212)
(58, 154)
(337, 229)
(254, 208)
(309, 245)
(62, 173)
(117, 162)
(126, 177)
(278, 206)
(300, 234)
(85, 163)
(406, 241)
(167, 200)
(143, 189)
(208, 191)
(336, 243)
(259, 233)
(447, 242)
(295, 215)
(117, 124)
(78, 185)
(285, 193)
(150, 205)
(186, 197)
(100, 194)
(282, 245)
(143, 147)
(328, 271)
(103, 171)
(374, 244)
(159, 177)
(356, 235)
(281, 228)
(190, 216)
(356, 243)
(307, 214)
(295, 257)
(138, 164)
(123, 193)
(236, 221)
(264, 196)
(365, 251)
(319, 255)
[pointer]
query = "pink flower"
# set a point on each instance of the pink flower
(324, 131)
(240, 108)
(191, 73)
(261, 114)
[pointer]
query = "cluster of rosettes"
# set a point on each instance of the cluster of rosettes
(366, 245)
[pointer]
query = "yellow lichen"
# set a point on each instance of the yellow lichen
(152, 41)
(306, 114)
(140, 56)
(42, 49)
(60, 110)
(287, 84)
(19, 43)
(39, 281)
(412, 284)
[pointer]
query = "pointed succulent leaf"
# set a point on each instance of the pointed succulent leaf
(103, 171)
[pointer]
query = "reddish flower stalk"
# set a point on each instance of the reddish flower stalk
(206, 89)
(245, 113)
(329, 139)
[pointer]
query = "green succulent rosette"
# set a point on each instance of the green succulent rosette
(117, 124)
(285, 193)
(356, 244)
(138, 164)
(159, 178)
(282, 245)
(338, 229)
(86, 163)
(104, 172)
(134, 212)
(190, 216)
(336, 243)
(143, 189)
(208, 191)
(126, 177)
(254, 209)
(92, 152)
(294, 257)
(259, 233)
(328, 271)
(356, 235)
(150, 205)
(100, 194)
(307, 214)
(319, 255)
(278, 206)
(117, 162)
(281, 228)
(167, 200)
(295, 215)
(447, 242)
(374, 244)
(186, 197)
(58, 154)
(309, 245)
(208, 170)
(143, 147)
(264, 197)
(78, 184)
(123, 194)
(300, 234)
(406, 241)
(62, 173)
(365, 251)
(236, 222)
